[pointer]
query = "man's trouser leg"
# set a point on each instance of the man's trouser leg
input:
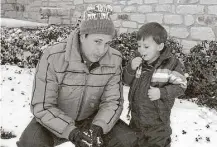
(35, 135)
(121, 135)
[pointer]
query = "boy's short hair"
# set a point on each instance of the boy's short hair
(154, 29)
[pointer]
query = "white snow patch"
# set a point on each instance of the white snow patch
(16, 88)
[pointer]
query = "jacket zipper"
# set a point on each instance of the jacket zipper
(82, 98)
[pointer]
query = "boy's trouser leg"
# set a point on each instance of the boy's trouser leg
(35, 135)
(121, 135)
(156, 136)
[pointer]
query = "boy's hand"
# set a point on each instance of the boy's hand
(154, 93)
(136, 62)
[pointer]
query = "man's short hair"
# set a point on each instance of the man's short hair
(154, 29)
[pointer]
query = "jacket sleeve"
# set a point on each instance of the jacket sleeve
(44, 99)
(111, 105)
(177, 84)
(128, 74)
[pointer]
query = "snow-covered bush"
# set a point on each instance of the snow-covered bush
(24, 46)
(201, 66)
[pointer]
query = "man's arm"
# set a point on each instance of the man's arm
(111, 103)
(44, 99)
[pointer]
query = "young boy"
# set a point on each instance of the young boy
(155, 78)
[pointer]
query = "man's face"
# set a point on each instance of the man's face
(149, 49)
(94, 46)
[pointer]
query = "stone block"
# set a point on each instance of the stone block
(138, 18)
(66, 5)
(154, 17)
(129, 24)
(78, 2)
(135, 2)
(122, 30)
(190, 9)
(55, 20)
(163, 8)
(8, 7)
(3, 1)
(66, 21)
(179, 32)
(173, 19)
(144, 9)
(11, 14)
(150, 1)
(187, 1)
(117, 23)
(208, 2)
(212, 10)
(129, 9)
(165, 1)
(189, 20)
(114, 16)
(11, 1)
(187, 45)
(122, 2)
(116, 9)
(77, 14)
(207, 20)
(130, 30)
(90, 1)
(202, 33)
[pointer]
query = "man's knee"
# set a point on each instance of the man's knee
(35, 135)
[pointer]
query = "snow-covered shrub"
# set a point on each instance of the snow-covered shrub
(24, 46)
(201, 66)
(6, 134)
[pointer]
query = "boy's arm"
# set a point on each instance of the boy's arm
(128, 74)
(177, 84)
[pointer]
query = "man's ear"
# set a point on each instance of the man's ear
(82, 37)
(160, 47)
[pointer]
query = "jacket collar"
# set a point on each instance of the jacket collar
(73, 51)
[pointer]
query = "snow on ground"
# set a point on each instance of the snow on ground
(193, 126)
(19, 23)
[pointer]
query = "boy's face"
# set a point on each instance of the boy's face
(94, 46)
(149, 49)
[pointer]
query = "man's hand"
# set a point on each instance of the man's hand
(136, 62)
(154, 93)
(96, 135)
(79, 138)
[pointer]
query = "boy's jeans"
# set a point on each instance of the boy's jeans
(35, 135)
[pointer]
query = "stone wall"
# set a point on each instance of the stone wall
(187, 20)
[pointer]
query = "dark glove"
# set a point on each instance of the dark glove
(95, 133)
(80, 138)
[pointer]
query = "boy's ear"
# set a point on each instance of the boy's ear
(161, 46)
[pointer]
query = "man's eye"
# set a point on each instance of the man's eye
(146, 46)
(98, 42)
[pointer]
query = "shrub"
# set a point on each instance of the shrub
(201, 65)
(24, 46)
(6, 134)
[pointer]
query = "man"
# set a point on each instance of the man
(77, 90)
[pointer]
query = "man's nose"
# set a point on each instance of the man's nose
(100, 49)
